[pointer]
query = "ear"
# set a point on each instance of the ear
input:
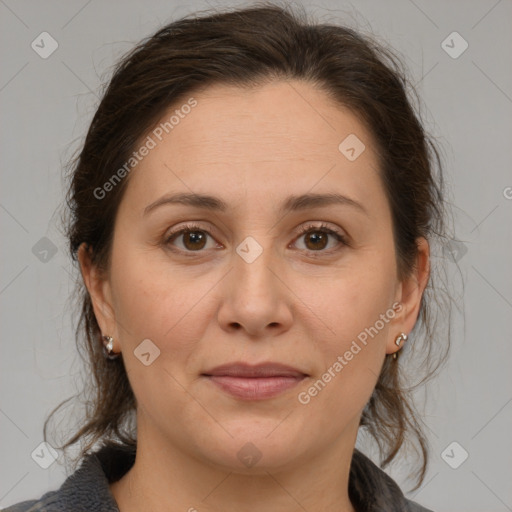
(409, 295)
(99, 290)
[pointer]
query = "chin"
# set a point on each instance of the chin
(253, 448)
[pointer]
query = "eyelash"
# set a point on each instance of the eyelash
(310, 228)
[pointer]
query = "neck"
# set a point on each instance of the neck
(166, 478)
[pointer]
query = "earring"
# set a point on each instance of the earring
(108, 348)
(398, 341)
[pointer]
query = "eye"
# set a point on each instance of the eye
(194, 238)
(316, 238)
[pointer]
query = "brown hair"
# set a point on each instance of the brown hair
(247, 47)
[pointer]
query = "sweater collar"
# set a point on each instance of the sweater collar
(370, 488)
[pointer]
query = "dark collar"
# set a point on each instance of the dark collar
(87, 489)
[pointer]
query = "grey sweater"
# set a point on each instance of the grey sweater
(86, 490)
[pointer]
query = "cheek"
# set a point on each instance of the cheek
(151, 304)
(352, 361)
(355, 298)
(357, 308)
(360, 324)
(154, 301)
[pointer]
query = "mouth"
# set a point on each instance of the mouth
(254, 382)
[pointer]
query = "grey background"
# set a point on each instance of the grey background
(47, 104)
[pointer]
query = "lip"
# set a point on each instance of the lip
(254, 382)
(246, 370)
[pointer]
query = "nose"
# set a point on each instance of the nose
(255, 298)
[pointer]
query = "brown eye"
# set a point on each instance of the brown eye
(189, 239)
(317, 239)
(194, 240)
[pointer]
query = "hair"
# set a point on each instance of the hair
(245, 48)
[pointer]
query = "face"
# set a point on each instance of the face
(269, 271)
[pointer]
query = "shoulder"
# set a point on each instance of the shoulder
(372, 490)
(87, 489)
(44, 504)
(48, 502)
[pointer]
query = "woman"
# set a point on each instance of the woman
(252, 213)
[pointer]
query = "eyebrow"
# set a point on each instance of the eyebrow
(291, 203)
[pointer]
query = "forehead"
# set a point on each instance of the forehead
(265, 138)
(288, 119)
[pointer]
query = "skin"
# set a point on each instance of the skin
(298, 303)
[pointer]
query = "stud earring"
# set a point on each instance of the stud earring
(108, 348)
(398, 341)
